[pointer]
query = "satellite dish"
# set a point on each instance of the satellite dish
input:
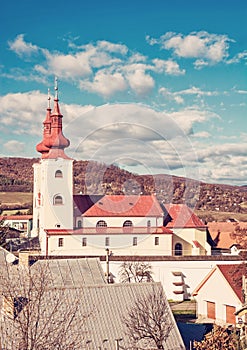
(10, 258)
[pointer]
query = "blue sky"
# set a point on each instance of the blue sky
(153, 86)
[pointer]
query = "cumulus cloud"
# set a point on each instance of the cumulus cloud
(13, 145)
(21, 47)
(103, 67)
(206, 48)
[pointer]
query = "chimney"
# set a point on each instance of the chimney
(24, 258)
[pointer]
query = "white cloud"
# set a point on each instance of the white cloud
(21, 47)
(168, 66)
(140, 82)
(205, 47)
(13, 145)
(105, 84)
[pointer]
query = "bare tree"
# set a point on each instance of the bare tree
(35, 315)
(149, 321)
(4, 230)
(219, 338)
(135, 271)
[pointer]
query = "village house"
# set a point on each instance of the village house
(219, 295)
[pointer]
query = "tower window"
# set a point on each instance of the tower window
(60, 242)
(58, 174)
(58, 200)
(149, 223)
(79, 223)
(178, 249)
(84, 241)
(134, 240)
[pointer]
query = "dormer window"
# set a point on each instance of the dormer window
(101, 223)
(58, 174)
(127, 223)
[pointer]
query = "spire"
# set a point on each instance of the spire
(56, 109)
(53, 143)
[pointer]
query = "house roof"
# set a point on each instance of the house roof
(16, 217)
(229, 273)
(101, 307)
(221, 233)
(183, 217)
(110, 231)
(119, 205)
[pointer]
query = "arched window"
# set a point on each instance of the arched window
(58, 200)
(178, 249)
(101, 223)
(127, 223)
(58, 174)
(79, 223)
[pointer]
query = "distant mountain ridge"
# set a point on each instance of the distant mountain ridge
(16, 175)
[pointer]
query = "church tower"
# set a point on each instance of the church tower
(53, 178)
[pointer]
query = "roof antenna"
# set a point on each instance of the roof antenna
(56, 89)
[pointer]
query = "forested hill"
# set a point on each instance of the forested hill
(16, 175)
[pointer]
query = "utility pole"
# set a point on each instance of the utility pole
(107, 265)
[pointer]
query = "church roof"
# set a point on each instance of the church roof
(183, 217)
(110, 231)
(53, 143)
(119, 205)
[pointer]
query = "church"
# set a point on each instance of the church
(87, 225)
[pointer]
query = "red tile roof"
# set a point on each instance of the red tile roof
(124, 205)
(221, 233)
(110, 231)
(183, 217)
(16, 217)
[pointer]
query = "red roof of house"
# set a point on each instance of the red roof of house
(16, 217)
(183, 217)
(221, 233)
(229, 273)
(123, 205)
(110, 231)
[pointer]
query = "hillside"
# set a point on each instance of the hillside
(16, 175)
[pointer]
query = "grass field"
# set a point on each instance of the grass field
(19, 198)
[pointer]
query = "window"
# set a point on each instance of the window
(127, 223)
(134, 240)
(79, 223)
(60, 242)
(58, 200)
(58, 174)
(178, 249)
(84, 241)
(101, 223)
(149, 223)
(107, 241)
(156, 240)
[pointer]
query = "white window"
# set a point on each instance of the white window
(134, 240)
(60, 242)
(58, 199)
(107, 241)
(101, 223)
(58, 174)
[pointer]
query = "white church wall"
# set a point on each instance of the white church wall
(93, 245)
